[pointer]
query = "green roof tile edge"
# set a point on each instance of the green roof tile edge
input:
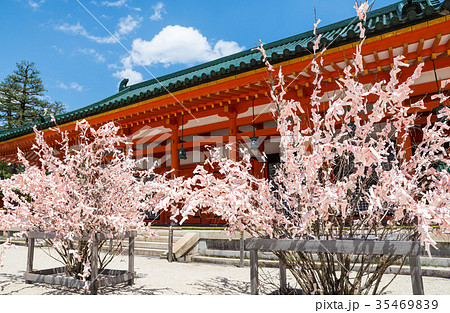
(116, 101)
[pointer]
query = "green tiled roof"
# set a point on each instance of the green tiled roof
(379, 21)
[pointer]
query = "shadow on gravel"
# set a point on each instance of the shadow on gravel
(15, 284)
(220, 286)
(8, 279)
(119, 289)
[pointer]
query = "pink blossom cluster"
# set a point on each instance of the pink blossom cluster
(82, 187)
(346, 170)
(233, 193)
(363, 128)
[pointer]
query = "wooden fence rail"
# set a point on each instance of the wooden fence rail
(108, 278)
(356, 246)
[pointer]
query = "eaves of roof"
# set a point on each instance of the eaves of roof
(383, 20)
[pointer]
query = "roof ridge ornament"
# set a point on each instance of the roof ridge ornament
(123, 84)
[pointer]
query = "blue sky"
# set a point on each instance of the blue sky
(80, 62)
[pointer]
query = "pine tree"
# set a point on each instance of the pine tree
(7, 105)
(21, 98)
(22, 103)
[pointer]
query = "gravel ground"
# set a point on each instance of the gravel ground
(158, 277)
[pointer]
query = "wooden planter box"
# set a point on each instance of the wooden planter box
(388, 247)
(106, 278)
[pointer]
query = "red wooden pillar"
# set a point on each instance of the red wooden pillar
(175, 161)
(174, 166)
(234, 152)
(305, 117)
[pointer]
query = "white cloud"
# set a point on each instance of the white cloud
(113, 66)
(224, 48)
(73, 85)
(128, 24)
(99, 58)
(133, 76)
(60, 50)
(125, 26)
(178, 45)
(172, 45)
(118, 3)
(159, 8)
(77, 29)
(35, 4)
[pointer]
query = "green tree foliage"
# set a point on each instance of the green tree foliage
(9, 169)
(22, 103)
(22, 98)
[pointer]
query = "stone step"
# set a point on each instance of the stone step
(142, 244)
(156, 238)
(138, 243)
(236, 254)
(149, 251)
(165, 234)
(443, 272)
(231, 261)
(425, 261)
(23, 242)
(151, 244)
(19, 242)
(164, 231)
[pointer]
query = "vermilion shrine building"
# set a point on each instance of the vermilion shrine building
(227, 100)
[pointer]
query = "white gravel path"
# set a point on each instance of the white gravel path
(158, 277)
